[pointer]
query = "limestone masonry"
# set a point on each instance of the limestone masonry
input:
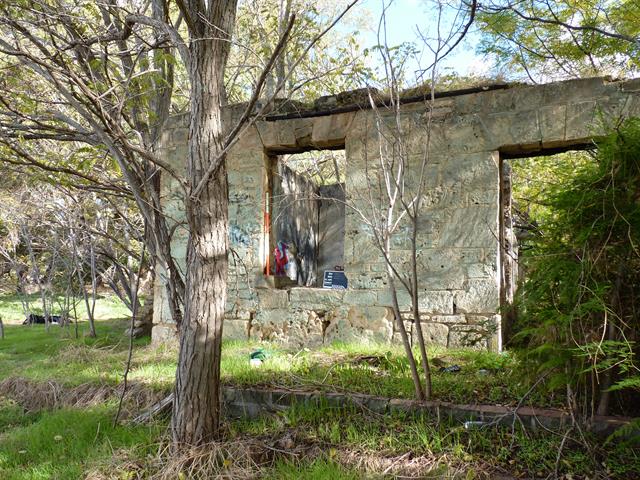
(464, 274)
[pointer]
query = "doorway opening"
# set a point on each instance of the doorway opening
(525, 181)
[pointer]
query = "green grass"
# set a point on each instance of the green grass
(485, 377)
(33, 353)
(319, 469)
(64, 444)
(69, 443)
(57, 355)
(11, 307)
(530, 454)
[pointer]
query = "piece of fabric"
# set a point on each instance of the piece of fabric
(291, 268)
(280, 253)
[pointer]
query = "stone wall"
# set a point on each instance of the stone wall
(459, 257)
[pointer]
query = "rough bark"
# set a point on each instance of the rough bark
(196, 407)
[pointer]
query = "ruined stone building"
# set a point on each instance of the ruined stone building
(464, 273)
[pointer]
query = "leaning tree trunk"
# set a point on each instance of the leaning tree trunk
(196, 408)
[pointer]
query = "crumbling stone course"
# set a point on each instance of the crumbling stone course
(251, 402)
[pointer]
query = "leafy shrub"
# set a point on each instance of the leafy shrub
(578, 307)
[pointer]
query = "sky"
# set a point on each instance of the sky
(403, 19)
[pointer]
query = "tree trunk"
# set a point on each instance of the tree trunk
(196, 407)
(415, 307)
(400, 325)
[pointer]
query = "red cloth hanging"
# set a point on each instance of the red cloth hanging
(281, 258)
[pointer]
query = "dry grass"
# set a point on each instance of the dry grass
(34, 396)
(230, 460)
(252, 457)
(408, 466)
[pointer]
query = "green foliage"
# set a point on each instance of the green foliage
(543, 49)
(578, 305)
(335, 64)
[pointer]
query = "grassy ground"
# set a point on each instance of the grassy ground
(378, 441)
(376, 369)
(12, 312)
(81, 442)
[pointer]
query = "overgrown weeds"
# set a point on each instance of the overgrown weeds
(578, 307)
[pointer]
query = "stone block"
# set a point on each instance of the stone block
(290, 327)
(270, 298)
(449, 319)
(450, 277)
(360, 297)
(315, 298)
(482, 270)
(631, 86)
(610, 111)
(250, 140)
(467, 336)
(435, 198)
(331, 130)
(465, 134)
(435, 301)
(475, 227)
(236, 329)
(279, 134)
(553, 123)
(362, 324)
(571, 91)
(366, 281)
(469, 174)
(434, 334)
(483, 197)
(581, 117)
(633, 109)
(378, 267)
(404, 406)
(492, 326)
(385, 298)
(521, 127)
(480, 296)
(470, 255)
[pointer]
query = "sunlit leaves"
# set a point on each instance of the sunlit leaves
(533, 38)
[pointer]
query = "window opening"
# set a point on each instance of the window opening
(306, 217)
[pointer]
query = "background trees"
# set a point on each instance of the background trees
(551, 40)
(104, 75)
